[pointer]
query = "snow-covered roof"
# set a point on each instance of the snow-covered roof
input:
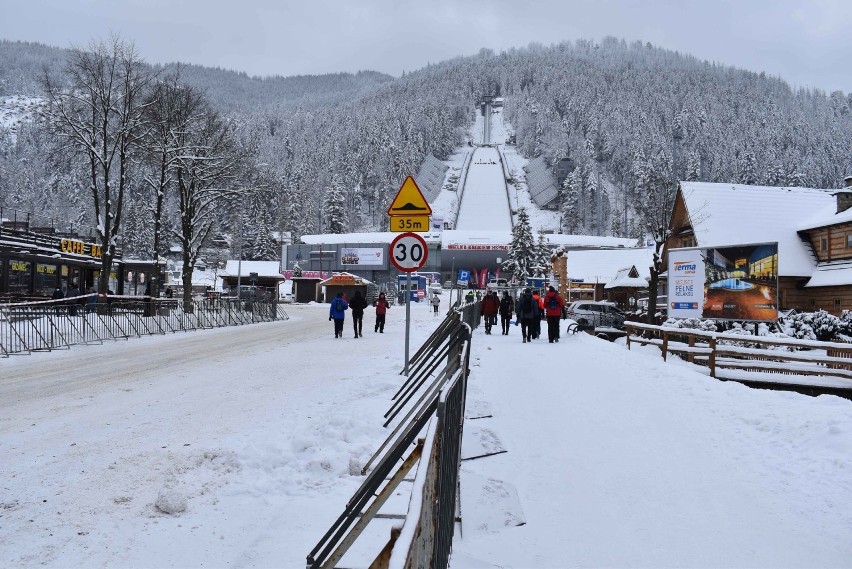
(837, 273)
(264, 269)
(364, 237)
(725, 215)
(827, 215)
(604, 265)
(457, 237)
(338, 274)
(541, 182)
(430, 177)
(623, 279)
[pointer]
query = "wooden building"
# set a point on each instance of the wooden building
(812, 227)
(614, 275)
(347, 283)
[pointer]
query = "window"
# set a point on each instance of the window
(849, 240)
(20, 276)
(45, 279)
(837, 305)
(823, 244)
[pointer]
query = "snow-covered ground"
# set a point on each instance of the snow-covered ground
(253, 436)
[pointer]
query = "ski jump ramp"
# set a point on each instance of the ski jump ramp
(484, 197)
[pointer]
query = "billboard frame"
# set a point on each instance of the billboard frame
(740, 281)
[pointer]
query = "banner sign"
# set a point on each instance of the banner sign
(307, 274)
(686, 283)
(371, 257)
(726, 283)
(477, 247)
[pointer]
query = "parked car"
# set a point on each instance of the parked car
(589, 314)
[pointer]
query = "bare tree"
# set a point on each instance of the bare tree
(100, 114)
(205, 172)
(170, 110)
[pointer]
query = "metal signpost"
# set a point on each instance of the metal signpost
(409, 211)
(408, 253)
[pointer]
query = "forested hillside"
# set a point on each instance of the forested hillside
(632, 119)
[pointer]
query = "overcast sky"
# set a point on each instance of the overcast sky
(807, 43)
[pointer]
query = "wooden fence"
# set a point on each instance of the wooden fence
(725, 351)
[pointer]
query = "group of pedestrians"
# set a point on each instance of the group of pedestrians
(529, 309)
(339, 305)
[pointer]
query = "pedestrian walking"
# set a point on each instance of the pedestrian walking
(382, 307)
(489, 308)
(73, 293)
(436, 301)
(358, 304)
(507, 308)
(337, 312)
(527, 313)
(553, 305)
(58, 295)
(537, 324)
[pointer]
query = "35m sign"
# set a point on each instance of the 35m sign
(408, 252)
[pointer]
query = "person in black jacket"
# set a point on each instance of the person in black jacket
(507, 307)
(358, 304)
(528, 313)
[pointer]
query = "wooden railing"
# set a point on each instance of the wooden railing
(725, 351)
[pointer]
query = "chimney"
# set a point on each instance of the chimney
(844, 196)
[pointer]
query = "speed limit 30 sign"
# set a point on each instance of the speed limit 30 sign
(408, 252)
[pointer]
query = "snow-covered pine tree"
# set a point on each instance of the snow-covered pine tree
(522, 249)
(334, 207)
(570, 207)
(541, 268)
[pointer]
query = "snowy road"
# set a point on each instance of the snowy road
(254, 428)
(37, 378)
(484, 205)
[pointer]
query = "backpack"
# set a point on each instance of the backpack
(338, 305)
(552, 304)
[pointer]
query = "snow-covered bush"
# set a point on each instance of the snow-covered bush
(845, 331)
(691, 323)
(818, 325)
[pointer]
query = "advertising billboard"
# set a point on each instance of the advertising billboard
(724, 283)
(686, 283)
(363, 256)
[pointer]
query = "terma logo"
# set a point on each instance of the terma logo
(684, 268)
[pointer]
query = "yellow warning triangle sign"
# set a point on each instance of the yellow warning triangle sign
(409, 200)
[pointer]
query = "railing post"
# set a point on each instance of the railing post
(690, 357)
(665, 345)
(629, 331)
(712, 359)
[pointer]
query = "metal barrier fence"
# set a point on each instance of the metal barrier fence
(55, 325)
(438, 372)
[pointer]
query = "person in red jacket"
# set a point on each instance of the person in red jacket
(489, 308)
(553, 305)
(382, 306)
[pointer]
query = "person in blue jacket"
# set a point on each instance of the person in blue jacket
(336, 312)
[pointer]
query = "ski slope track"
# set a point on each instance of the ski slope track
(484, 197)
